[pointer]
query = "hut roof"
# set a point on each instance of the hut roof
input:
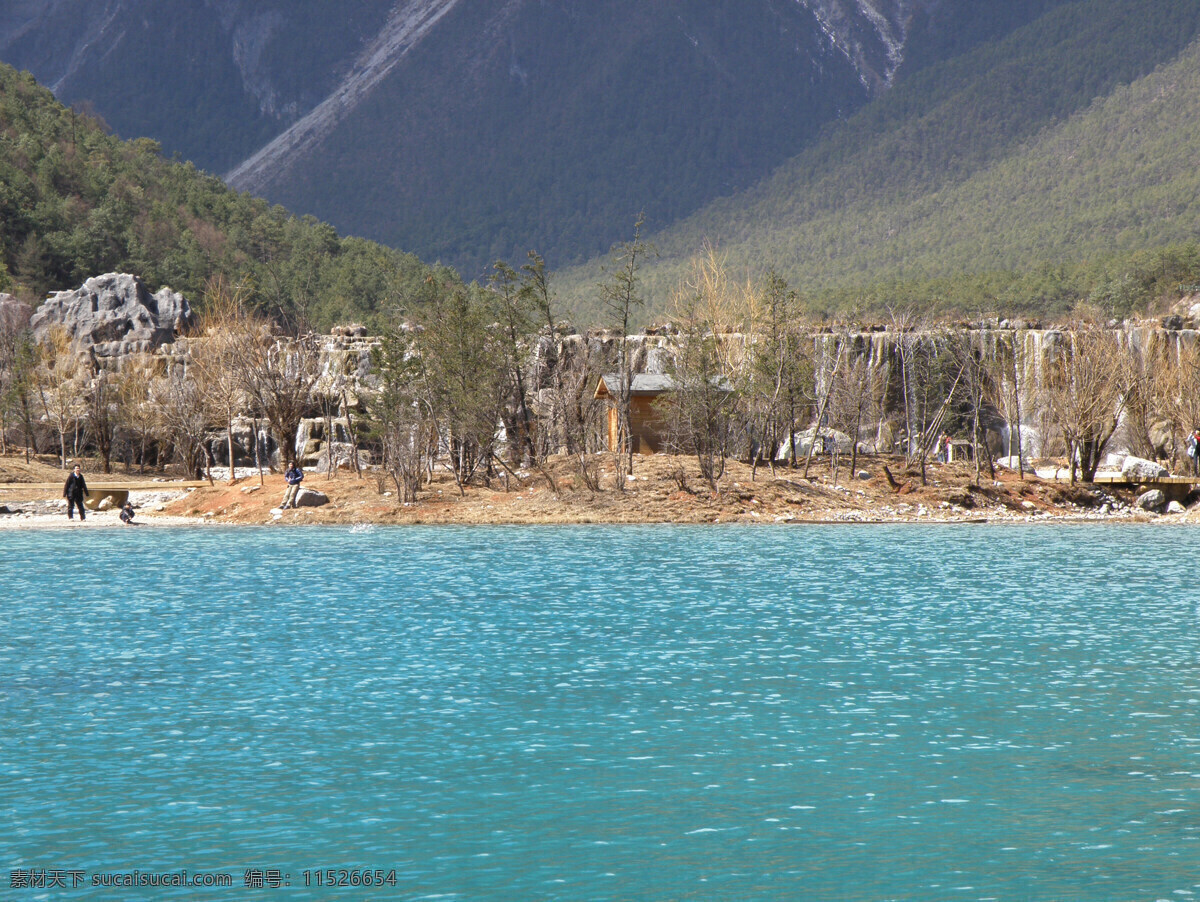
(609, 385)
(647, 385)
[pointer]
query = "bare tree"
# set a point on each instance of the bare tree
(59, 380)
(975, 391)
(825, 392)
(554, 380)
(1149, 425)
(929, 377)
(1086, 385)
(465, 378)
(219, 355)
(854, 401)
(401, 413)
(102, 415)
(1006, 386)
(701, 406)
(1182, 389)
(514, 312)
(18, 363)
(134, 382)
(728, 308)
(622, 299)
(906, 327)
(278, 374)
(181, 418)
(780, 372)
(574, 406)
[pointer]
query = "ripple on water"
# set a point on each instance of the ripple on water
(663, 711)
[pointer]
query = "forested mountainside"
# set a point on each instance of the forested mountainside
(1056, 165)
(958, 154)
(466, 130)
(76, 202)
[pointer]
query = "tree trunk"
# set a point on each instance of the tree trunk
(30, 433)
(975, 441)
(1017, 408)
(854, 450)
(329, 461)
(353, 437)
(257, 451)
(229, 442)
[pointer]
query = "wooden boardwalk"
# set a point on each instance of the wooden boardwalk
(1062, 474)
(1161, 480)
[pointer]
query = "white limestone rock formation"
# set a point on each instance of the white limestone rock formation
(115, 314)
(14, 315)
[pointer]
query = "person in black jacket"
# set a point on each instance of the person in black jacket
(75, 491)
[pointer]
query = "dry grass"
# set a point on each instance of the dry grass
(663, 489)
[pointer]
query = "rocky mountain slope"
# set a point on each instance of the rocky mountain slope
(1055, 166)
(468, 130)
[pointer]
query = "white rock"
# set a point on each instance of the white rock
(1137, 468)
(1153, 500)
(1051, 473)
(1176, 508)
(804, 441)
(310, 498)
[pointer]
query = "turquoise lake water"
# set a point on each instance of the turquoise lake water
(906, 712)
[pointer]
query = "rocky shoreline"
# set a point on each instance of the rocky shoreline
(662, 489)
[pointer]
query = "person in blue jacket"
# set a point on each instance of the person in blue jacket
(293, 477)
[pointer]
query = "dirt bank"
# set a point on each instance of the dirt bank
(663, 489)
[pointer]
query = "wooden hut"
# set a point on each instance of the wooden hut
(647, 429)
